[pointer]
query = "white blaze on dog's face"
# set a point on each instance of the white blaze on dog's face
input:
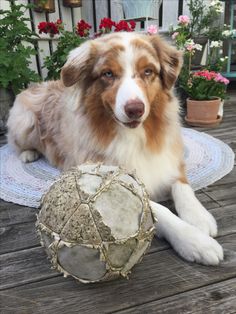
(123, 76)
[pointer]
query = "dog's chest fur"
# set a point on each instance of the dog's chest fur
(157, 170)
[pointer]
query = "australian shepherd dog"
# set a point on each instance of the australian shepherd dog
(115, 104)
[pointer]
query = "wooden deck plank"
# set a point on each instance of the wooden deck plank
(218, 298)
(20, 236)
(11, 214)
(17, 237)
(162, 282)
(160, 275)
(18, 268)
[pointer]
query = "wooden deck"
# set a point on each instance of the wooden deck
(162, 283)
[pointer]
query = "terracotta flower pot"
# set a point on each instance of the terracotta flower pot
(203, 112)
(44, 6)
(72, 3)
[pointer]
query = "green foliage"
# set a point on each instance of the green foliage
(66, 42)
(203, 17)
(15, 40)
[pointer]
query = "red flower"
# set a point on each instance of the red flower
(132, 24)
(83, 28)
(48, 28)
(125, 26)
(59, 21)
(106, 25)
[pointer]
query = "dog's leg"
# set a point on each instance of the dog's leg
(29, 155)
(188, 241)
(191, 210)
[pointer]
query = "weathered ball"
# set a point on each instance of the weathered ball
(96, 222)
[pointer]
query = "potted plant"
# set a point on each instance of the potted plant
(69, 40)
(201, 27)
(72, 3)
(16, 41)
(66, 42)
(44, 6)
(205, 89)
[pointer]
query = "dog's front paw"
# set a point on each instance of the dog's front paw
(195, 246)
(29, 156)
(199, 217)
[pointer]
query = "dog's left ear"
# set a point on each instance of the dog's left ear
(170, 59)
(78, 64)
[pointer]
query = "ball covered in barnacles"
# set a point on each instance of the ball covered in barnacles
(95, 222)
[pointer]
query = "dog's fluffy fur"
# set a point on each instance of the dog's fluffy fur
(91, 115)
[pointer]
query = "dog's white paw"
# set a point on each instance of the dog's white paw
(29, 156)
(195, 246)
(199, 217)
(191, 210)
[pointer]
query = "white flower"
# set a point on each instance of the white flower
(198, 47)
(223, 59)
(219, 10)
(217, 6)
(215, 3)
(216, 44)
(226, 33)
(191, 46)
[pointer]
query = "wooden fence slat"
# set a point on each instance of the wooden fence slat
(117, 10)
(87, 13)
(77, 15)
(66, 17)
(185, 8)
(170, 14)
(101, 10)
(53, 17)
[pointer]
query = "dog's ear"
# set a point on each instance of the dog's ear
(170, 59)
(79, 63)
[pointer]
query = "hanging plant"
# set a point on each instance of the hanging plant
(44, 6)
(72, 3)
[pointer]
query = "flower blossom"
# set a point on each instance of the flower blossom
(50, 28)
(216, 44)
(174, 35)
(83, 28)
(152, 29)
(125, 26)
(229, 33)
(184, 19)
(211, 75)
(221, 79)
(106, 25)
(217, 6)
(191, 46)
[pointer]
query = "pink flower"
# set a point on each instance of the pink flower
(152, 29)
(184, 19)
(174, 35)
(221, 79)
(190, 47)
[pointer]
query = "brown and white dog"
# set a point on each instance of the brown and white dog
(115, 104)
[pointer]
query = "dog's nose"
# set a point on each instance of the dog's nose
(134, 108)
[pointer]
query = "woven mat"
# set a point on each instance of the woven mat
(207, 160)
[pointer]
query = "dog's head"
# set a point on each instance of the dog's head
(122, 75)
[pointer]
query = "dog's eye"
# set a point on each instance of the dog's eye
(108, 74)
(148, 72)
